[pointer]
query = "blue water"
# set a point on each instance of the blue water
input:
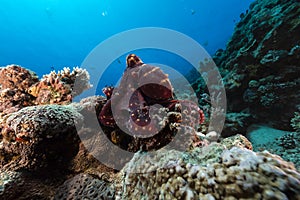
(43, 35)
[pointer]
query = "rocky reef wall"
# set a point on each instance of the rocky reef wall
(260, 67)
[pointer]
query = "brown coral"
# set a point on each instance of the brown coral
(16, 77)
(14, 81)
(61, 87)
(40, 137)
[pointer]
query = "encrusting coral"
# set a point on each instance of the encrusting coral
(40, 137)
(214, 172)
(19, 185)
(85, 186)
(16, 77)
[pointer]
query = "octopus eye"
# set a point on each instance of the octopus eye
(131, 56)
(133, 60)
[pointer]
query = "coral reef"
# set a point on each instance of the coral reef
(39, 137)
(260, 65)
(61, 87)
(21, 87)
(84, 186)
(22, 186)
(236, 123)
(237, 141)
(15, 81)
(239, 174)
(295, 121)
(288, 147)
(8, 180)
(16, 77)
(61, 151)
(228, 169)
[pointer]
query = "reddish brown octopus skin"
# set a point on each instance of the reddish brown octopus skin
(141, 86)
(108, 91)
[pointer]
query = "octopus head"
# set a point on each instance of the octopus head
(133, 60)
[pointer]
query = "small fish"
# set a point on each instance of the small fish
(193, 11)
(48, 12)
(119, 61)
(205, 43)
(104, 13)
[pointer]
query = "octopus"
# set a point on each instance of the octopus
(143, 98)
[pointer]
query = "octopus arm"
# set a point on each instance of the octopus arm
(106, 116)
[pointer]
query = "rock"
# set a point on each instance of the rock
(261, 135)
(283, 143)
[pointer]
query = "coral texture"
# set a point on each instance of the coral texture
(84, 186)
(41, 156)
(39, 137)
(7, 180)
(238, 174)
(15, 81)
(226, 170)
(295, 121)
(260, 66)
(61, 87)
(22, 186)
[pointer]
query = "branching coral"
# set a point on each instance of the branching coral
(61, 87)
